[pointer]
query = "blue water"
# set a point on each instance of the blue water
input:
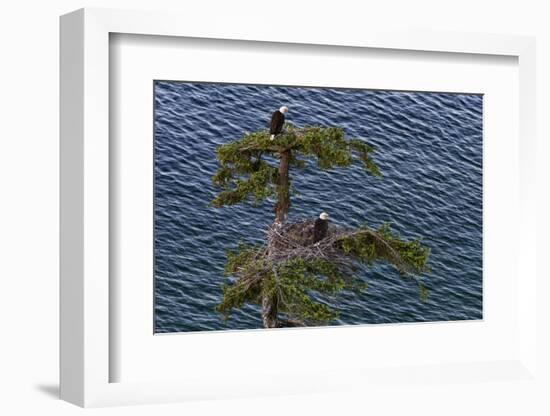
(429, 148)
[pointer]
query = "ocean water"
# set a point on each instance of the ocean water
(429, 149)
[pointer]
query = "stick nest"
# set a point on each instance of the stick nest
(340, 246)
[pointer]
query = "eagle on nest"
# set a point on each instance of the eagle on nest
(311, 239)
(308, 232)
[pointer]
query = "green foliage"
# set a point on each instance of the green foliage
(292, 283)
(424, 292)
(383, 244)
(298, 278)
(245, 175)
(245, 261)
(259, 185)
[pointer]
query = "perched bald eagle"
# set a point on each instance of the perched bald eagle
(277, 122)
(320, 227)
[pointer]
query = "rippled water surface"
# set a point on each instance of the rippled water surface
(429, 148)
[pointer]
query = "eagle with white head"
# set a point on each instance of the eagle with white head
(277, 122)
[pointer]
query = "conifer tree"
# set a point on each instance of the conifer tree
(296, 281)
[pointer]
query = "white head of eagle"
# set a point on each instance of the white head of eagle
(277, 122)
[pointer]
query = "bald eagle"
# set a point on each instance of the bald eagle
(277, 122)
(320, 227)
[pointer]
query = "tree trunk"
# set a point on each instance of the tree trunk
(269, 305)
(283, 189)
(269, 312)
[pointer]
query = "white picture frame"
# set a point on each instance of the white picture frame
(85, 355)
